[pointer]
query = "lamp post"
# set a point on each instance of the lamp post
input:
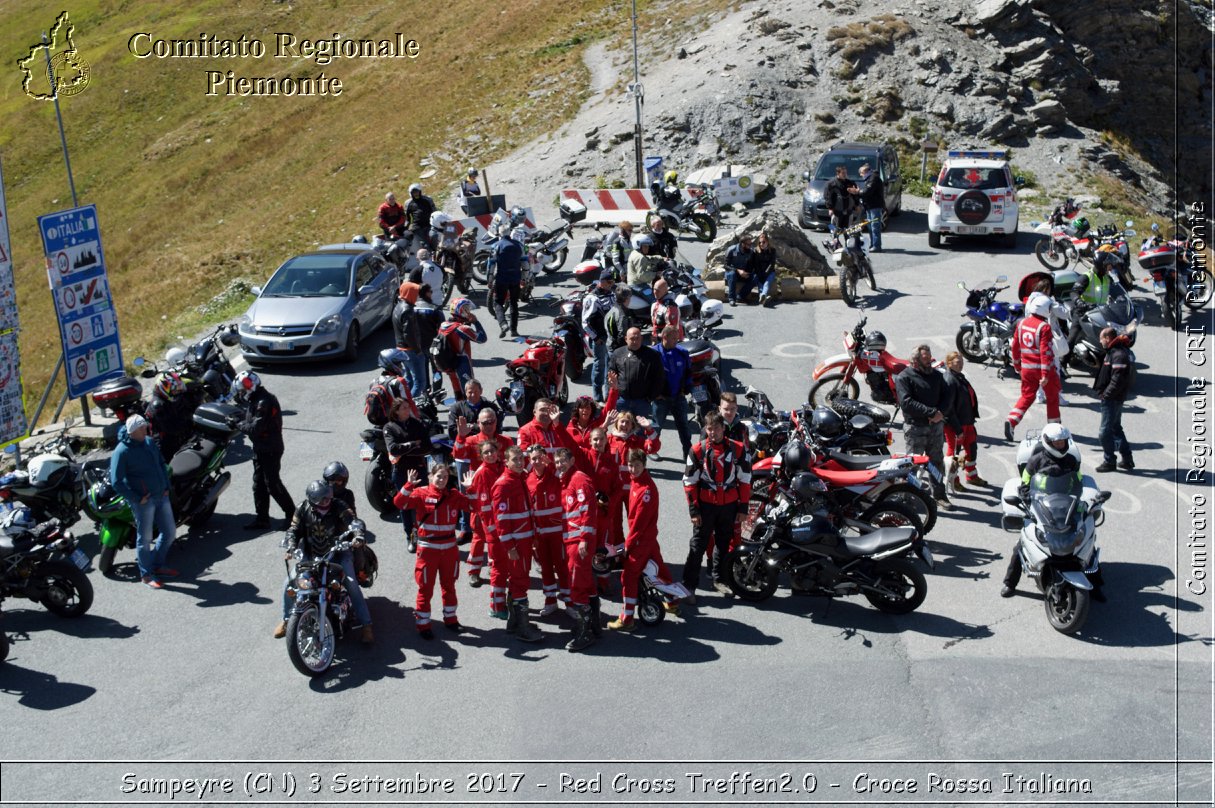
(636, 90)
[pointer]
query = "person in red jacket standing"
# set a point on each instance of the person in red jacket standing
(436, 508)
(478, 490)
(630, 432)
(510, 545)
(641, 541)
(717, 483)
(391, 214)
(544, 429)
(467, 447)
(579, 515)
(545, 490)
(605, 476)
(585, 418)
(1034, 358)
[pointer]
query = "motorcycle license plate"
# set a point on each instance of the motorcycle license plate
(926, 554)
(700, 394)
(366, 451)
(80, 559)
(1159, 287)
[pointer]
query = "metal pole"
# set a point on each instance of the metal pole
(637, 105)
(45, 395)
(67, 161)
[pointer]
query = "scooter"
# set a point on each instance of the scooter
(988, 334)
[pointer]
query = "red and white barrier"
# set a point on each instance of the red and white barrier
(617, 205)
(482, 223)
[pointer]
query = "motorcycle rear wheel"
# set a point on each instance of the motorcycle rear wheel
(1049, 255)
(703, 227)
(557, 261)
(1066, 607)
(200, 519)
(69, 591)
(377, 490)
(449, 283)
(480, 266)
(750, 586)
(889, 513)
(649, 607)
(311, 642)
(832, 386)
(968, 344)
(913, 499)
(848, 286)
(1202, 279)
(898, 576)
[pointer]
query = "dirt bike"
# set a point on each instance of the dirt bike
(853, 262)
(836, 375)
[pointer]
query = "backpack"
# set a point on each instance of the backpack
(441, 352)
(378, 403)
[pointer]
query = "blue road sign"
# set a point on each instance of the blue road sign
(88, 322)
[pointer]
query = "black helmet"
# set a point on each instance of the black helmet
(319, 492)
(795, 457)
(1104, 259)
(875, 341)
(392, 361)
(359, 239)
(826, 422)
(336, 471)
(807, 486)
(366, 566)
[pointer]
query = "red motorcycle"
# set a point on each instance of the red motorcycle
(867, 356)
(539, 373)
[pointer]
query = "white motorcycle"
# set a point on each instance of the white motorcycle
(1058, 523)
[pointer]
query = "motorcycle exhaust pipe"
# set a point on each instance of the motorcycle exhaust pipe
(221, 484)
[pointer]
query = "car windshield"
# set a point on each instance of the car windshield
(311, 276)
(852, 162)
(983, 179)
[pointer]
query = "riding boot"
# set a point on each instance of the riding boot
(582, 636)
(512, 619)
(596, 622)
(523, 624)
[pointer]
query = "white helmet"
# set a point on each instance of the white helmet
(1052, 436)
(1039, 305)
(712, 312)
(415, 187)
(44, 467)
(175, 354)
(439, 219)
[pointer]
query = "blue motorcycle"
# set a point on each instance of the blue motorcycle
(988, 331)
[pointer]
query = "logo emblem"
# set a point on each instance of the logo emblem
(71, 72)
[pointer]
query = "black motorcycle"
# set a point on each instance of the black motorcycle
(51, 482)
(323, 609)
(795, 537)
(767, 427)
(205, 364)
(377, 480)
(684, 217)
(1119, 313)
(44, 565)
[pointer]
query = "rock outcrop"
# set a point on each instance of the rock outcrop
(795, 252)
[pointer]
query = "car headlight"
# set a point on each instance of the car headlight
(814, 195)
(328, 325)
(245, 324)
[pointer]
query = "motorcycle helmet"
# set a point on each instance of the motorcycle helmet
(366, 566)
(712, 312)
(826, 422)
(336, 471)
(644, 241)
(806, 486)
(229, 337)
(415, 187)
(518, 234)
(392, 361)
(795, 457)
(175, 355)
(439, 219)
(685, 307)
(320, 495)
(875, 341)
(358, 239)
(462, 307)
(472, 172)
(104, 499)
(1038, 305)
(517, 216)
(18, 522)
(169, 385)
(246, 382)
(1056, 439)
(1104, 259)
(671, 177)
(1081, 225)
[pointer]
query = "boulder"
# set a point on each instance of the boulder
(1048, 112)
(795, 252)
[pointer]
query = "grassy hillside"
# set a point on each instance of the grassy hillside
(193, 191)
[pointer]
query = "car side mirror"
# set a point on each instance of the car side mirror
(256, 291)
(366, 290)
(1018, 180)
(806, 176)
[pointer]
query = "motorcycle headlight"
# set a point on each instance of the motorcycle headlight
(1063, 543)
(303, 582)
(328, 325)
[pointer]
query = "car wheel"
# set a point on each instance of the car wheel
(352, 343)
(934, 240)
(804, 223)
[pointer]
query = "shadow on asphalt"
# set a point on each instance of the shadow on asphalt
(355, 665)
(856, 618)
(41, 691)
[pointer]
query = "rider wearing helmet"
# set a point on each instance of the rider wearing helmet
(617, 247)
(264, 426)
(665, 243)
(391, 214)
(1033, 356)
(643, 265)
(171, 413)
(1093, 289)
(338, 476)
(417, 214)
(461, 331)
(666, 193)
(316, 525)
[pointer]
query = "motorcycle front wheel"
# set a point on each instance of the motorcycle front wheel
(69, 593)
(901, 588)
(556, 262)
(968, 344)
(753, 586)
(1050, 255)
(832, 386)
(703, 227)
(311, 641)
(1066, 607)
(449, 283)
(480, 266)
(649, 606)
(848, 286)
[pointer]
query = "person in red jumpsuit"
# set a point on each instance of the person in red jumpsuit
(435, 508)
(1034, 358)
(585, 418)
(629, 432)
(545, 490)
(579, 515)
(510, 545)
(641, 540)
(544, 429)
(605, 475)
(478, 490)
(467, 447)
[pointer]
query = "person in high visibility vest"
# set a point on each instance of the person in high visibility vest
(1034, 359)
(1092, 290)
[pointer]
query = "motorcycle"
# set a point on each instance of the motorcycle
(323, 609)
(548, 245)
(652, 592)
(767, 427)
(857, 431)
(454, 254)
(1067, 238)
(538, 373)
(1119, 313)
(705, 372)
(685, 218)
(197, 478)
(1058, 542)
(853, 262)
(45, 565)
(377, 480)
(989, 333)
(836, 375)
(52, 481)
(795, 537)
(204, 363)
(706, 199)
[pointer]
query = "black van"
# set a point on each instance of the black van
(881, 158)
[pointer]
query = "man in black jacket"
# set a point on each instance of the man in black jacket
(924, 398)
(430, 317)
(409, 338)
(842, 198)
(1112, 385)
(417, 215)
(873, 202)
(639, 374)
(264, 426)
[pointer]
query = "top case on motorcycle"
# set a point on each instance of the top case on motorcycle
(190, 460)
(878, 540)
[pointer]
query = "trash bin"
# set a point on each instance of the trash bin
(653, 170)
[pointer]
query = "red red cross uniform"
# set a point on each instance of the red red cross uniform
(619, 445)
(551, 437)
(547, 513)
(478, 491)
(468, 448)
(438, 556)
(1034, 359)
(512, 528)
(641, 541)
(580, 514)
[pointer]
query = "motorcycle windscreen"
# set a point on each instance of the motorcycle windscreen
(1056, 505)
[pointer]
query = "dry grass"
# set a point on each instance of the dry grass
(858, 39)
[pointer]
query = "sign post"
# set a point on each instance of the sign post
(88, 323)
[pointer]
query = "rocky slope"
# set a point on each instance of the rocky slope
(1078, 95)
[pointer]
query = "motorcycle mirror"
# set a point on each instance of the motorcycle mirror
(358, 524)
(1155, 227)
(962, 286)
(139, 361)
(1130, 223)
(1012, 500)
(806, 176)
(10, 449)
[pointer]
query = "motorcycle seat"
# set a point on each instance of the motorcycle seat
(841, 478)
(188, 462)
(851, 462)
(878, 540)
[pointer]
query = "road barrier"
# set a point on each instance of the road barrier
(613, 206)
